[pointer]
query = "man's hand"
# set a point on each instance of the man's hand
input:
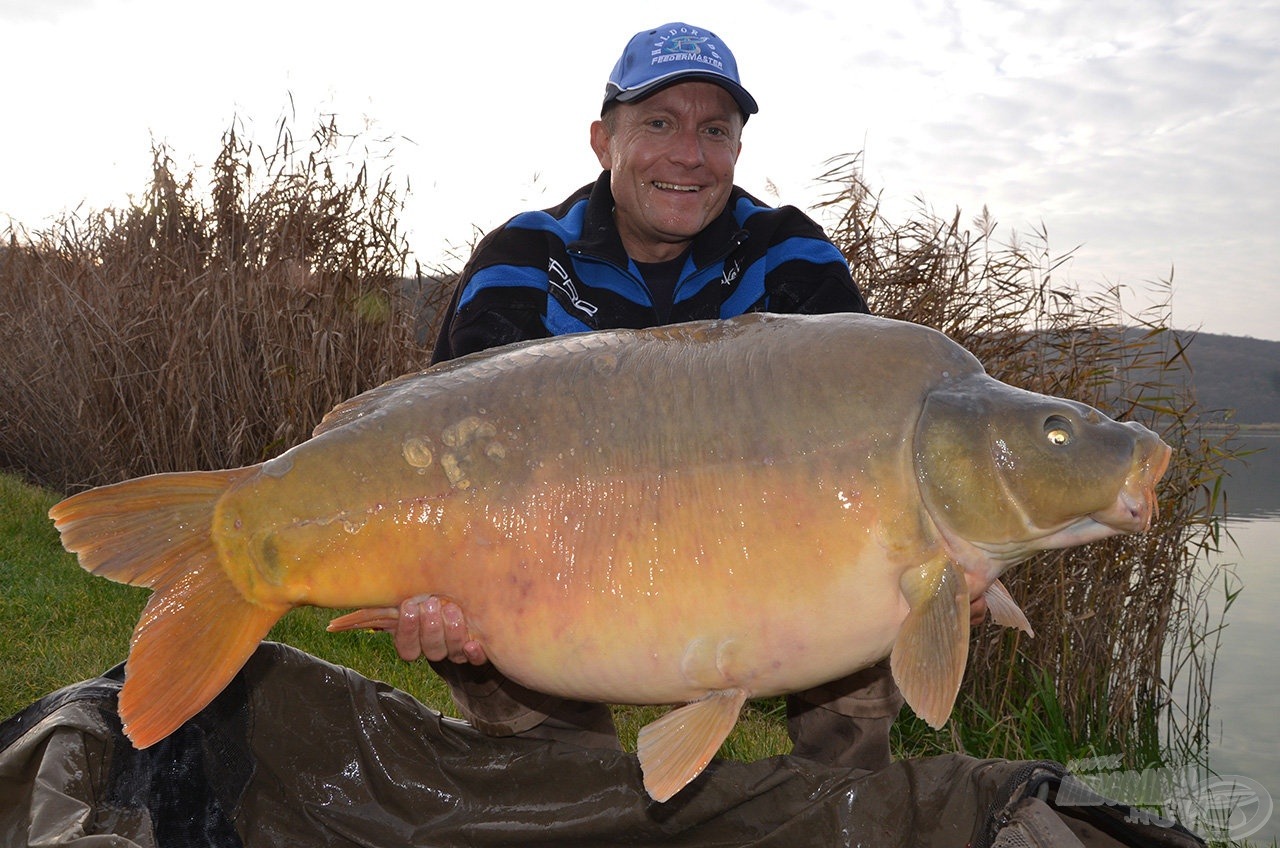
(435, 629)
(422, 626)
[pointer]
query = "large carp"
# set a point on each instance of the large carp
(694, 514)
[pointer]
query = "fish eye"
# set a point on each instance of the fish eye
(1058, 430)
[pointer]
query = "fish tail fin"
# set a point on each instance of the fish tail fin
(197, 629)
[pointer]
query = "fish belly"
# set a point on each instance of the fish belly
(639, 587)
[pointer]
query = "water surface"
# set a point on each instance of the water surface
(1246, 686)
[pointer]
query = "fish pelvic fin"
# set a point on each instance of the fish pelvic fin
(932, 647)
(1005, 610)
(197, 630)
(674, 749)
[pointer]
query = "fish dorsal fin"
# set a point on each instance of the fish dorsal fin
(363, 403)
(676, 748)
(929, 655)
(372, 400)
(1005, 610)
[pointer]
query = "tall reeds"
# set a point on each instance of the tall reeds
(203, 329)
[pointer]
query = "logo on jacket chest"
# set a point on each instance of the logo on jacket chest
(732, 270)
(560, 280)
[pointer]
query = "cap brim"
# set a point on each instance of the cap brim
(745, 101)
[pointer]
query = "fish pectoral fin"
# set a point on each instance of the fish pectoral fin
(676, 748)
(1005, 610)
(929, 655)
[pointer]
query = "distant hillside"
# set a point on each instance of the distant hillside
(1236, 373)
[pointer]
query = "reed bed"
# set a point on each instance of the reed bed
(203, 330)
(212, 329)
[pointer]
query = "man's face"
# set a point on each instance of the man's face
(671, 158)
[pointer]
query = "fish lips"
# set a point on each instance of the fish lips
(1136, 506)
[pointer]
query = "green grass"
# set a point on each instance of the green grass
(60, 623)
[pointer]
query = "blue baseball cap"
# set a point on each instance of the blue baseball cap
(674, 53)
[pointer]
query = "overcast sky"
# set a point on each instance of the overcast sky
(1144, 131)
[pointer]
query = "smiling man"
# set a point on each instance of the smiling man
(662, 236)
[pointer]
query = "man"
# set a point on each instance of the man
(662, 236)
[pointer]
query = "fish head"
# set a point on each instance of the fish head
(1005, 472)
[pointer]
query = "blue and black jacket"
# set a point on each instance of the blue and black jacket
(564, 270)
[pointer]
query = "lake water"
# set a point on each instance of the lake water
(1246, 685)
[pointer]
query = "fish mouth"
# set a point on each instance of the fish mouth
(1136, 506)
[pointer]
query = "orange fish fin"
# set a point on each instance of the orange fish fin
(197, 630)
(379, 618)
(932, 647)
(191, 640)
(1005, 610)
(676, 748)
(140, 531)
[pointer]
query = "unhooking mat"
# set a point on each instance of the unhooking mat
(298, 752)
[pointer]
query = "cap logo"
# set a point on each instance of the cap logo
(664, 55)
(685, 45)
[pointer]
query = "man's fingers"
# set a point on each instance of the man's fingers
(428, 627)
(405, 636)
(432, 638)
(419, 617)
(458, 642)
(475, 653)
